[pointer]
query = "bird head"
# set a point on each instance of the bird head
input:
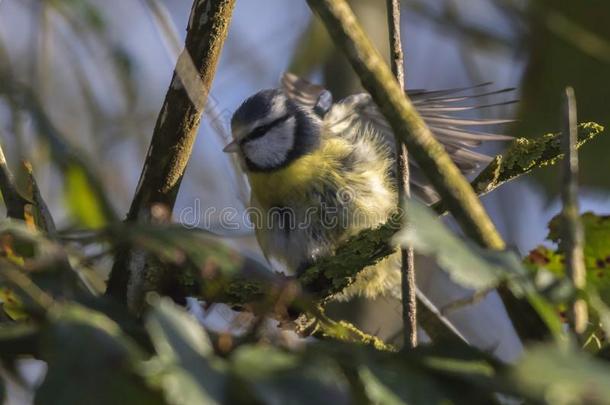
(270, 131)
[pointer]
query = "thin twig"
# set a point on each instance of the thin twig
(15, 276)
(460, 303)
(172, 142)
(397, 59)
(573, 235)
(407, 261)
(15, 203)
(44, 219)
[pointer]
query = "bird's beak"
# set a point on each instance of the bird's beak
(231, 148)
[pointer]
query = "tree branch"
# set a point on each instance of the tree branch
(316, 323)
(572, 228)
(14, 201)
(407, 256)
(172, 141)
(406, 123)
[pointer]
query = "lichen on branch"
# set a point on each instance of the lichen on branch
(527, 154)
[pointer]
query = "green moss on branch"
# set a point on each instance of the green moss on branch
(525, 155)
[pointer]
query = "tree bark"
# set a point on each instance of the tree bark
(407, 256)
(172, 141)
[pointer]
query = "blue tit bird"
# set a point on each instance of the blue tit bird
(321, 172)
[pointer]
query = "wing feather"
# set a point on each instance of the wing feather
(453, 132)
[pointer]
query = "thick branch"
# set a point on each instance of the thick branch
(173, 137)
(406, 123)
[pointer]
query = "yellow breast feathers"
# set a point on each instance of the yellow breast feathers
(292, 182)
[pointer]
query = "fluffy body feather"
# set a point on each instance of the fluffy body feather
(322, 198)
(321, 172)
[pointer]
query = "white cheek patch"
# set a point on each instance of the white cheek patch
(271, 149)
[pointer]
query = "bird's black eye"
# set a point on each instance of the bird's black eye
(263, 129)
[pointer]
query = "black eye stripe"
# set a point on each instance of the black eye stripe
(263, 129)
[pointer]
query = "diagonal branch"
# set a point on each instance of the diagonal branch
(173, 138)
(406, 122)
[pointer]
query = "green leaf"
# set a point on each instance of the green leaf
(597, 261)
(90, 361)
(274, 376)
(376, 386)
(442, 374)
(596, 251)
(12, 304)
(467, 264)
(392, 385)
(178, 245)
(43, 260)
(82, 199)
(189, 374)
(562, 376)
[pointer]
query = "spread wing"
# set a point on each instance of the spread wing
(455, 133)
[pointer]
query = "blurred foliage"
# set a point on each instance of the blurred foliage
(548, 266)
(473, 267)
(596, 250)
(562, 376)
(563, 42)
(170, 358)
(72, 36)
(82, 200)
(568, 43)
